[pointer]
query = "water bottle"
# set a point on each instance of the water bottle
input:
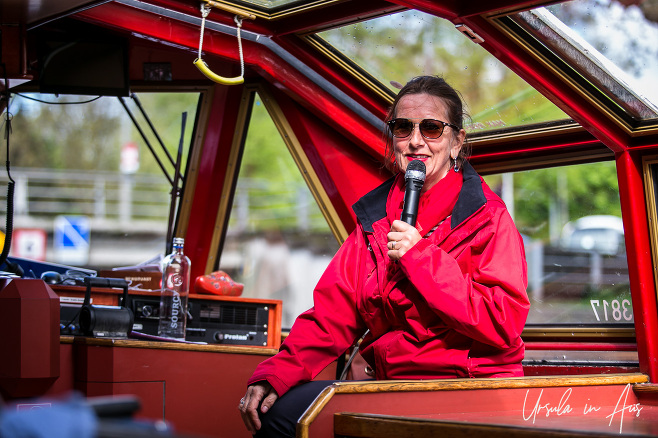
(175, 290)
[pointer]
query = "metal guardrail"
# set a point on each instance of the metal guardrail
(110, 199)
(140, 202)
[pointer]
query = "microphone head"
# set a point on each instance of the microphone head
(415, 170)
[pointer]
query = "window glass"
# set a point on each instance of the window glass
(398, 47)
(570, 220)
(278, 243)
(88, 162)
(609, 42)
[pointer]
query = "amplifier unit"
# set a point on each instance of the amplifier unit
(211, 319)
(236, 322)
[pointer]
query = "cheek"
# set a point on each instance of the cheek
(398, 154)
(441, 150)
(398, 149)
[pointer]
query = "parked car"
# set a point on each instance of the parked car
(599, 233)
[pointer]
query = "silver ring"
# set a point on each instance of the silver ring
(241, 401)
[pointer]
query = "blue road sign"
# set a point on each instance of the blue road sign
(71, 239)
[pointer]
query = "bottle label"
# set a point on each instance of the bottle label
(175, 309)
(174, 280)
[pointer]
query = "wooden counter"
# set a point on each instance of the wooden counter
(195, 388)
(595, 404)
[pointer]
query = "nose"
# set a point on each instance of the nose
(416, 140)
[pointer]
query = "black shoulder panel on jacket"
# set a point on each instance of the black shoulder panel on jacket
(471, 197)
(372, 206)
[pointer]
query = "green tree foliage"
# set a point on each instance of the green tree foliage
(165, 111)
(264, 156)
(270, 181)
(572, 191)
(64, 135)
(67, 134)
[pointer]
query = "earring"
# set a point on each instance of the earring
(456, 167)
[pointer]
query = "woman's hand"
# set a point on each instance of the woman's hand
(401, 239)
(249, 404)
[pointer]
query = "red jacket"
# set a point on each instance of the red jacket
(456, 308)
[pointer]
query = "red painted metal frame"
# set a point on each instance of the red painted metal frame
(566, 148)
(585, 112)
(210, 177)
(455, 10)
(322, 104)
(640, 262)
(334, 160)
(300, 21)
(330, 70)
(330, 16)
(446, 9)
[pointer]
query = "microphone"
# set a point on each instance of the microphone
(414, 179)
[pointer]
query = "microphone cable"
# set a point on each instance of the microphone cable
(10, 186)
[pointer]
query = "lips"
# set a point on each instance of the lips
(417, 157)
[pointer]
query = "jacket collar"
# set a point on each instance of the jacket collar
(372, 206)
(471, 198)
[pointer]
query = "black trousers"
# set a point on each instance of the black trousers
(281, 420)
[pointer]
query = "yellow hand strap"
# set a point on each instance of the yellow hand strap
(203, 67)
(201, 64)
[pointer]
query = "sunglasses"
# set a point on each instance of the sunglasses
(429, 128)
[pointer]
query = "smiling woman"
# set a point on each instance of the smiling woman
(455, 280)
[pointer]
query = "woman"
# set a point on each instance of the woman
(444, 299)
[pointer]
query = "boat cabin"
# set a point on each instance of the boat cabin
(249, 128)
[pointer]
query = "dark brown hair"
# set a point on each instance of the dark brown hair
(434, 86)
